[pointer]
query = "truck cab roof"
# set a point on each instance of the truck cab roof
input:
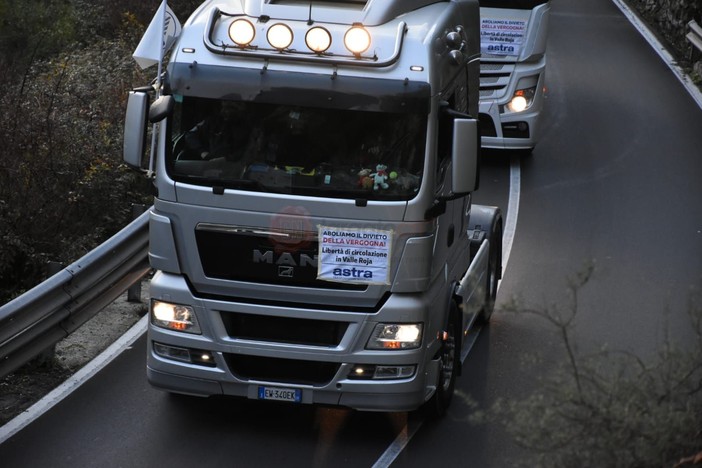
(368, 12)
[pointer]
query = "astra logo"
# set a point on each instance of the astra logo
(352, 273)
(500, 48)
(285, 258)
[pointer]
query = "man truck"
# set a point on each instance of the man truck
(512, 72)
(313, 234)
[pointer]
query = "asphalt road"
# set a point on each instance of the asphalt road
(614, 182)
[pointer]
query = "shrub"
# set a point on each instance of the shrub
(610, 408)
(63, 187)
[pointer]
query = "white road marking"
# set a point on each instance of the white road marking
(75, 381)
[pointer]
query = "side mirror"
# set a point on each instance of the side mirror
(466, 147)
(135, 129)
(161, 108)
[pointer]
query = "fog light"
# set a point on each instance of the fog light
(395, 336)
(381, 372)
(191, 356)
(172, 352)
(362, 372)
(393, 372)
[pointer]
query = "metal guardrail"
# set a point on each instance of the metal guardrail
(41, 317)
(695, 34)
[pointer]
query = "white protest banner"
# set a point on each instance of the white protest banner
(502, 36)
(359, 256)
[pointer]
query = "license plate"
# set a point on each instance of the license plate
(280, 394)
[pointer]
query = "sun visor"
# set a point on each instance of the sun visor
(316, 90)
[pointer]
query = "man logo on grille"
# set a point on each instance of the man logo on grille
(285, 271)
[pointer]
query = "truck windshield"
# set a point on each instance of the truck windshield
(297, 150)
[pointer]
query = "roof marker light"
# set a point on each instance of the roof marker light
(280, 36)
(242, 32)
(357, 40)
(318, 39)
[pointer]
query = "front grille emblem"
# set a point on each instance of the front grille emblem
(285, 271)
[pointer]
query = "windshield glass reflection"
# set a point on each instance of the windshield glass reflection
(297, 150)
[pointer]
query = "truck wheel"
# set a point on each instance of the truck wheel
(450, 355)
(494, 273)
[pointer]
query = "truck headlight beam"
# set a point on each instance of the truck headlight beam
(174, 317)
(395, 336)
(521, 100)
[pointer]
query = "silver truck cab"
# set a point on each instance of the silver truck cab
(313, 232)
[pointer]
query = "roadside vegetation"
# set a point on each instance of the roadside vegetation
(66, 67)
(609, 408)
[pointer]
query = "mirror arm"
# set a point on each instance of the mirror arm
(445, 107)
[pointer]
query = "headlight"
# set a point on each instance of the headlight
(242, 32)
(174, 317)
(280, 36)
(521, 100)
(357, 40)
(396, 336)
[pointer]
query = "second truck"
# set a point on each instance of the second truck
(513, 37)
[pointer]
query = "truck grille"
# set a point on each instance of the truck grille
(284, 329)
(267, 257)
(290, 371)
(494, 77)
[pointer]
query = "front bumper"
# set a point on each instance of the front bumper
(241, 365)
(507, 131)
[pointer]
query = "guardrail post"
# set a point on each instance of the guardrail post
(52, 268)
(695, 39)
(134, 291)
(49, 353)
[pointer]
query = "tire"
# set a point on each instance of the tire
(450, 356)
(494, 273)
